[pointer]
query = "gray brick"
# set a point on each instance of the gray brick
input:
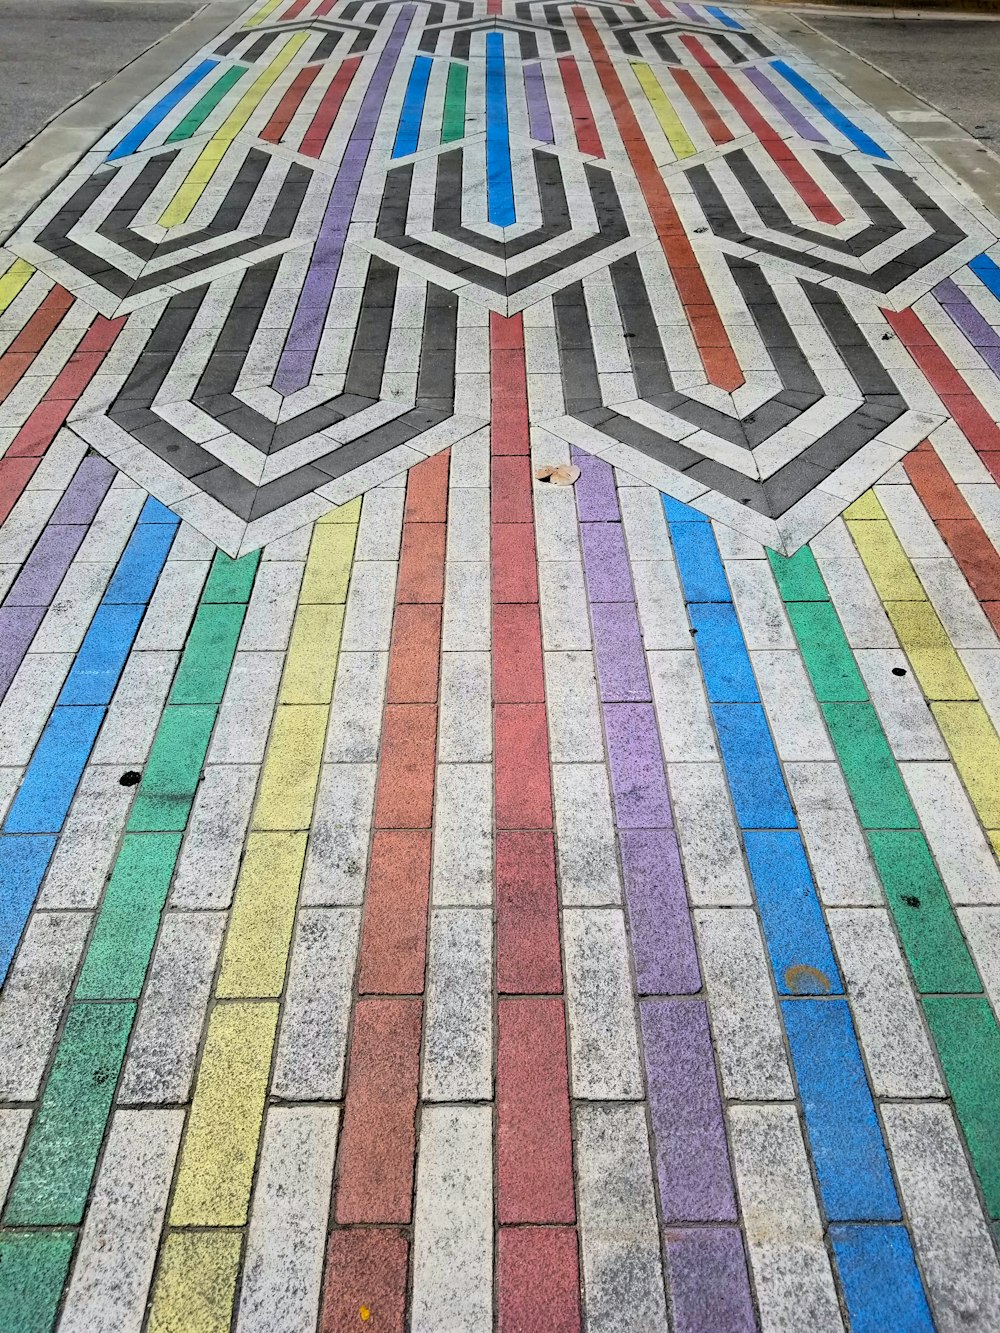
(313, 1036)
(368, 617)
(565, 621)
(709, 839)
(781, 1219)
(33, 998)
(462, 873)
(171, 608)
(13, 1127)
(458, 1026)
(338, 845)
(645, 524)
(358, 701)
(950, 1234)
(268, 621)
(892, 1035)
(681, 708)
(86, 851)
(28, 702)
(117, 1252)
(164, 1048)
(466, 624)
(662, 616)
(588, 863)
(758, 605)
(574, 715)
(381, 524)
(468, 523)
(453, 1221)
(964, 857)
(600, 1006)
(837, 850)
(857, 603)
(241, 728)
(129, 727)
(286, 1239)
(72, 608)
(796, 721)
(213, 845)
(465, 717)
(908, 722)
(557, 530)
(742, 1007)
(619, 1236)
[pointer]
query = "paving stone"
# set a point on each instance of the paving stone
(462, 871)
(840, 861)
(899, 702)
(681, 708)
(759, 606)
(465, 733)
(585, 842)
(172, 606)
(792, 711)
(338, 846)
(466, 625)
(619, 1236)
(241, 731)
(213, 846)
(164, 1047)
(271, 609)
(13, 1128)
(964, 858)
(571, 701)
(356, 714)
(453, 1220)
(600, 1005)
(661, 606)
(458, 1026)
(368, 618)
(565, 622)
(981, 927)
(706, 829)
(286, 1239)
(117, 1252)
(129, 727)
(86, 851)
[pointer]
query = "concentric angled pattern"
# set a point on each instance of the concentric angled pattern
(308, 228)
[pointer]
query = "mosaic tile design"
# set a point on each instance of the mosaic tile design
(307, 228)
(437, 899)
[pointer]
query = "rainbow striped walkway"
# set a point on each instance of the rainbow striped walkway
(500, 694)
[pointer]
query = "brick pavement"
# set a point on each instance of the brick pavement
(439, 899)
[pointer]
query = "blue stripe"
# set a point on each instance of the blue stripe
(141, 132)
(499, 176)
(852, 1166)
(698, 560)
(51, 779)
(755, 780)
(826, 108)
(23, 862)
(723, 17)
(102, 655)
(987, 272)
(879, 1277)
(412, 113)
(794, 929)
(729, 677)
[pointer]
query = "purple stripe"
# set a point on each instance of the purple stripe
(691, 12)
(692, 1161)
(707, 1271)
(659, 921)
(621, 665)
(302, 343)
(44, 568)
(965, 316)
(791, 113)
(17, 628)
(539, 117)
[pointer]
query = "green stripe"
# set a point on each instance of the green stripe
(56, 1171)
(963, 1026)
(206, 104)
(453, 118)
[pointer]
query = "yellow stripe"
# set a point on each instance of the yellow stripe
(207, 163)
(13, 281)
(965, 725)
(670, 123)
(196, 1286)
(262, 13)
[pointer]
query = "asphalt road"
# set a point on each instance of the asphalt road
(953, 65)
(53, 51)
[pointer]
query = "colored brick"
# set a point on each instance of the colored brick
(523, 790)
(517, 654)
(173, 769)
(975, 747)
(328, 568)
(828, 658)
(196, 1283)
(421, 563)
(725, 666)
(512, 563)
(414, 654)
(527, 916)
(208, 654)
(231, 580)
(311, 661)
(365, 1272)
(394, 929)
(260, 923)
(872, 776)
(33, 1268)
(406, 774)
(755, 781)
(881, 1282)
(538, 1282)
(798, 577)
(510, 489)
(427, 491)
(291, 768)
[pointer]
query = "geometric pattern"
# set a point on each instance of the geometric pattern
(307, 229)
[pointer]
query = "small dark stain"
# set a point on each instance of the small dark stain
(699, 230)
(130, 778)
(801, 979)
(887, 337)
(911, 900)
(100, 1076)
(899, 671)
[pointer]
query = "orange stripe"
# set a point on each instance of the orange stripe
(716, 351)
(707, 114)
(315, 137)
(289, 104)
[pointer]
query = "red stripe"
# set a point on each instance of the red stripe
(314, 140)
(659, 8)
(289, 104)
(971, 417)
(293, 11)
(32, 338)
(584, 126)
(958, 525)
(494, 6)
(375, 1170)
(707, 114)
(716, 351)
(537, 1276)
(30, 443)
(324, 8)
(794, 172)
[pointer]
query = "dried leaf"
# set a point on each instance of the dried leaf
(562, 475)
(364, 1314)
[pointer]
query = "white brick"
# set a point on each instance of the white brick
(662, 615)
(313, 1036)
(899, 702)
(213, 845)
(128, 729)
(585, 843)
(466, 622)
(681, 708)
(13, 1127)
(600, 1006)
(574, 716)
(453, 1221)
(758, 605)
(857, 603)
(462, 873)
(842, 868)
(171, 608)
(963, 855)
(619, 1236)
(950, 1235)
(565, 621)
(86, 851)
(458, 1027)
(268, 621)
(338, 844)
(368, 615)
(72, 608)
(786, 690)
(963, 618)
(468, 524)
(114, 1264)
(709, 840)
(981, 926)
(244, 719)
(557, 533)
(358, 701)
(783, 1229)
(286, 1239)
(742, 1007)
(645, 524)
(465, 717)
(28, 702)
(381, 525)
